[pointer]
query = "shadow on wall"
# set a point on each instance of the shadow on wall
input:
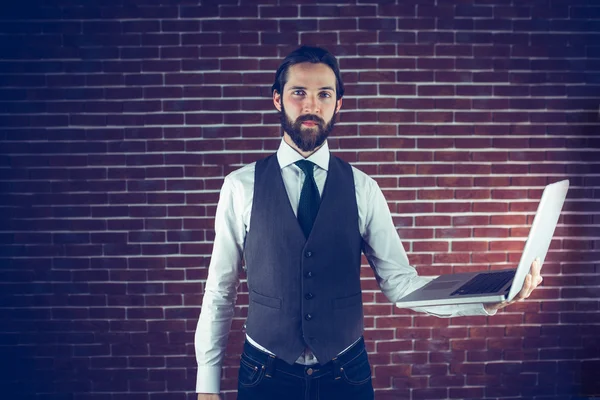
(39, 356)
(589, 373)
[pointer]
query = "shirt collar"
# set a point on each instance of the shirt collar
(286, 156)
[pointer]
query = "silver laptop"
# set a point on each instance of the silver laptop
(500, 285)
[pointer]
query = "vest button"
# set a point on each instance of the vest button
(308, 317)
(309, 296)
(309, 274)
(308, 254)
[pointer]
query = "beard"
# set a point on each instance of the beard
(307, 139)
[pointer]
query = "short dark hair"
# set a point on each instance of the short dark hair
(313, 55)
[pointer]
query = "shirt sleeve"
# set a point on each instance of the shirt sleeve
(387, 257)
(220, 291)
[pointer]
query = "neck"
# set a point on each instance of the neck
(290, 142)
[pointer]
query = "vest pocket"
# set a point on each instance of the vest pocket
(348, 301)
(273, 302)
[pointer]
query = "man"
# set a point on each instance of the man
(301, 219)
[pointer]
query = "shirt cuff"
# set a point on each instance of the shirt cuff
(493, 312)
(474, 309)
(208, 379)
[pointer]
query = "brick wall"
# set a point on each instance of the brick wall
(120, 118)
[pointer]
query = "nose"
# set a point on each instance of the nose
(311, 105)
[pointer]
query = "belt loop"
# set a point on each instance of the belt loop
(270, 366)
(336, 368)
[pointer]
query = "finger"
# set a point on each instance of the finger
(537, 270)
(531, 286)
(535, 282)
(508, 303)
(499, 306)
(525, 290)
(536, 267)
(540, 280)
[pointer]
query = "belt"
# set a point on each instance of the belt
(273, 364)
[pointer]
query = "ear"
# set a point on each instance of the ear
(338, 106)
(277, 100)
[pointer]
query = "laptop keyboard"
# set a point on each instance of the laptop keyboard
(485, 282)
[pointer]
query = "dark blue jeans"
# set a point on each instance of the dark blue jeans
(264, 377)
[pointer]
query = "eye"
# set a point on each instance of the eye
(325, 94)
(298, 93)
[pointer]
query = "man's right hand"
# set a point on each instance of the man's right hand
(209, 396)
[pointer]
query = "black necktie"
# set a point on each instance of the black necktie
(308, 207)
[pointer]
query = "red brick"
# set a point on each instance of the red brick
(433, 246)
(434, 117)
(435, 194)
(397, 169)
(447, 381)
(477, 169)
(506, 319)
(377, 103)
(430, 369)
(376, 50)
(453, 233)
(414, 76)
(379, 130)
(466, 393)
(507, 245)
(451, 258)
(468, 344)
(490, 207)
(432, 221)
(469, 246)
(393, 195)
(360, 89)
(505, 343)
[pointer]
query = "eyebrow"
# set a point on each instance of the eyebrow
(303, 88)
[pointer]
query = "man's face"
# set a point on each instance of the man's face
(308, 105)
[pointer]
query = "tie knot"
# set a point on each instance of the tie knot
(306, 167)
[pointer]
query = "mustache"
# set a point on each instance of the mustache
(310, 117)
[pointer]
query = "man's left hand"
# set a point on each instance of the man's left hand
(532, 281)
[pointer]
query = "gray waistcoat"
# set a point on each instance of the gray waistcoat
(304, 292)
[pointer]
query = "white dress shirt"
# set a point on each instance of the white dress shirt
(382, 248)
